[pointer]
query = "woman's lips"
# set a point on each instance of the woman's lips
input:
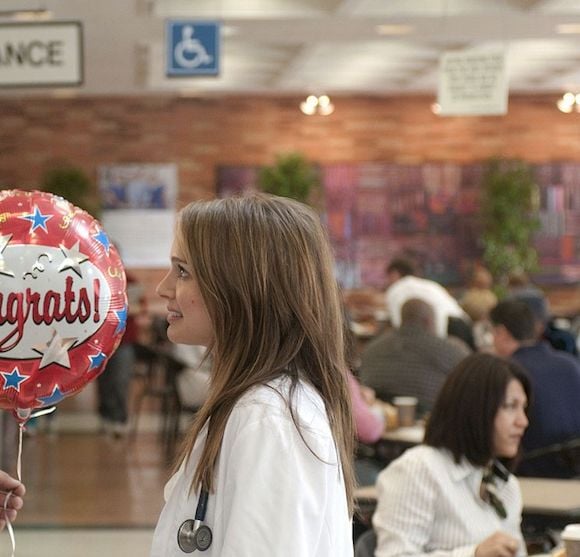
(173, 316)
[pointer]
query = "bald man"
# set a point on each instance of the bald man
(411, 360)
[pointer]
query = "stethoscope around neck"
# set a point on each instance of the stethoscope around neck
(194, 534)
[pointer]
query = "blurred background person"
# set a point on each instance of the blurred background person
(555, 376)
(479, 297)
(402, 285)
(411, 360)
(193, 380)
(521, 288)
(477, 302)
(113, 383)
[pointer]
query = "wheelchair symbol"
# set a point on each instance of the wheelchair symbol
(189, 52)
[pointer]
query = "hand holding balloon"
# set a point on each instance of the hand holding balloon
(13, 490)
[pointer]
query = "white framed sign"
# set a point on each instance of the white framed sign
(473, 82)
(41, 54)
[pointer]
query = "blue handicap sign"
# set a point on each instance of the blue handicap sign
(193, 48)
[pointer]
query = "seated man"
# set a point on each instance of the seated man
(555, 376)
(521, 288)
(403, 286)
(411, 360)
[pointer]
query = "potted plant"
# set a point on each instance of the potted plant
(72, 183)
(509, 218)
(290, 176)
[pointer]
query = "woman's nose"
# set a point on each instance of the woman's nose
(162, 288)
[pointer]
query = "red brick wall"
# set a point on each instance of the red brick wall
(199, 134)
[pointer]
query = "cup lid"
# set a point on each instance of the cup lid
(571, 532)
(405, 401)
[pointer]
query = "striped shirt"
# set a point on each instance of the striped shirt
(428, 505)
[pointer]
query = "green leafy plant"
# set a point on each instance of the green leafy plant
(291, 176)
(72, 183)
(509, 218)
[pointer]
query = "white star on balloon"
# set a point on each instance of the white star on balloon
(55, 351)
(73, 259)
(4, 239)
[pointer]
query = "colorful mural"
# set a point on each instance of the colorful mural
(375, 211)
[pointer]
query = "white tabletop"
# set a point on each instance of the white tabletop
(547, 496)
(539, 495)
(412, 435)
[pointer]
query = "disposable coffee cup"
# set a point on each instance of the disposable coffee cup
(407, 408)
(571, 539)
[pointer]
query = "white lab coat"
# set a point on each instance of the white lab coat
(273, 497)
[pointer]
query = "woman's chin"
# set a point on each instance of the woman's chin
(508, 453)
(173, 335)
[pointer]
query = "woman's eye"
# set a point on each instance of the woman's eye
(181, 271)
(513, 405)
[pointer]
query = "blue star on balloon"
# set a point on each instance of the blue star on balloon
(122, 317)
(97, 360)
(103, 239)
(56, 396)
(37, 219)
(12, 380)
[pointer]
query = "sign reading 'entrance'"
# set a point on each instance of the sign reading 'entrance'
(36, 54)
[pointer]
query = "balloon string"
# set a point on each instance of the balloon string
(19, 459)
(9, 494)
(21, 425)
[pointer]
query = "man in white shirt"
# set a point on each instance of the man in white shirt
(403, 285)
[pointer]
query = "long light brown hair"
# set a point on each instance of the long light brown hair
(265, 271)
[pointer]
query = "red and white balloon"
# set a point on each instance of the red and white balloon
(63, 304)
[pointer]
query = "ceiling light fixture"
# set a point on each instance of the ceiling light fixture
(63, 93)
(568, 28)
(317, 105)
(34, 14)
(570, 102)
(390, 29)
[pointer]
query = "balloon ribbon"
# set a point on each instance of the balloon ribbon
(21, 425)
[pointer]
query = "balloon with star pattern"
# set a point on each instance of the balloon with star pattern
(63, 303)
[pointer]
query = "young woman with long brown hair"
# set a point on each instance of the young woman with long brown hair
(266, 468)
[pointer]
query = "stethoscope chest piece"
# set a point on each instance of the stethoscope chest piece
(192, 536)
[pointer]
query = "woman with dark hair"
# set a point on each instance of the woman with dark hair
(452, 496)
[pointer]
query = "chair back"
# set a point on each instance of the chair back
(366, 544)
(560, 460)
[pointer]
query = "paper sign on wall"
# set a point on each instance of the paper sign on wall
(473, 82)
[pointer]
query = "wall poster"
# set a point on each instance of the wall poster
(139, 202)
